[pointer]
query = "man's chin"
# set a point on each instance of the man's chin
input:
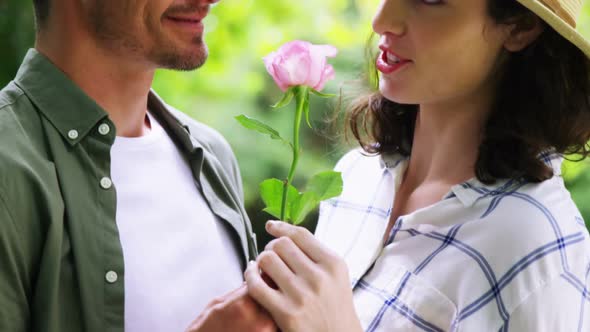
(185, 60)
(186, 64)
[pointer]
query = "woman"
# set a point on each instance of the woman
(462, 221)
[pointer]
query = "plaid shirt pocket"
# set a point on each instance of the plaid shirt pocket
(398, 300)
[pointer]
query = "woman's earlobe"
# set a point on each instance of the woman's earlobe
(524, 33)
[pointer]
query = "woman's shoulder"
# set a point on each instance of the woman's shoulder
(525, 236)
(358, 161)
(527, 219)
(352, 158)
(531, 211)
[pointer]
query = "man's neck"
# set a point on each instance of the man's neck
(118, 84)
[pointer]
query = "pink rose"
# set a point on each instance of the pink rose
(301, 63)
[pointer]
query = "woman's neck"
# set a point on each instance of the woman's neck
(446, 142)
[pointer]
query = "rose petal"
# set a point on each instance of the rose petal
(294, 47)
(327, 75)
(317, 73)
(300, 63)
(317, 65)
(296, 57)
(278, 78)
(294, 70)
(268, 63)
(268, 60)
(288, 71)
(328, 50)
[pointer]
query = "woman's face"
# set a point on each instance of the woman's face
(436, 51)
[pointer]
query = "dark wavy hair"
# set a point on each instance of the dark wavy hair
(41, 12)
(542, 103)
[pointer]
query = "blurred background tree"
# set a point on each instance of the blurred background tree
(234, 81)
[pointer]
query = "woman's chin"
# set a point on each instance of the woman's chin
(398, 97)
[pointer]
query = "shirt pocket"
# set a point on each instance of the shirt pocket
(394, 299)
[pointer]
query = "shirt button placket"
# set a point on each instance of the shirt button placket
(104, 129)
(111, 277)
(73, 134)
(106, 183)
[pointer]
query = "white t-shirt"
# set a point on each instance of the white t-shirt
(178, 255)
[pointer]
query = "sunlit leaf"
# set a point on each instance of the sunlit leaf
(271, 191)
(326, 184)
(260, 127)
(302, 205)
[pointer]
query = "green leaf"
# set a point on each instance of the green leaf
(323, 95)
(255, 125)
(303, 204)
(287, 97)
(326, 184)
(271, 191)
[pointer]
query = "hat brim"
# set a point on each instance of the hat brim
(558, 24)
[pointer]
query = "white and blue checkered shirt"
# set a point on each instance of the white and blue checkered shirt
(513, 256)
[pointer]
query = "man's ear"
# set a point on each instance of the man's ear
(523, 32)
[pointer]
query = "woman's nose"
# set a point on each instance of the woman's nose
(391, 17)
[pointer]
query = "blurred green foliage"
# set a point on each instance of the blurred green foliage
(234, 81)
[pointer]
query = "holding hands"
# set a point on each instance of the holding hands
(235, 311)
(314, 292)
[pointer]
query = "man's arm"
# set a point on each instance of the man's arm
(14, 307)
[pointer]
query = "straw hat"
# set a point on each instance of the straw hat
(562, 16)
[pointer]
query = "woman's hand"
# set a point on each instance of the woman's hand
(314, 290)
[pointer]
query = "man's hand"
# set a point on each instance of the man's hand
(235, 311)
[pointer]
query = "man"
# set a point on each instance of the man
(116, 211)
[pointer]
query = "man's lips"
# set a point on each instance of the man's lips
(185, 19)
(188, 22)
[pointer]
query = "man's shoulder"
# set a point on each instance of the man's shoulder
(22, 150)
(9, 95)
(16, 112)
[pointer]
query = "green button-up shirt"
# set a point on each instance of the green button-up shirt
(61, 261)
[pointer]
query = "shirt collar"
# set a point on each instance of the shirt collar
(391, 160)
(178, 129)
(58, 98)
(69, 109)
(471, 191)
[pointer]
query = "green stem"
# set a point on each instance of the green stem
(301, 94)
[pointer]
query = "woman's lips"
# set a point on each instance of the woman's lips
(389, 62)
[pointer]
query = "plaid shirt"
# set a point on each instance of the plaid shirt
(513, 256)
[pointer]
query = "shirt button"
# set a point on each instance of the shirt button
(73, 134)
(106, 183)
(111, 277)
(104, 129)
